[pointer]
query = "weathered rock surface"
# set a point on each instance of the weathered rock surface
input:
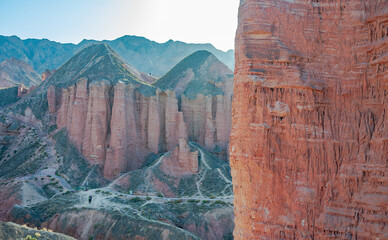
(204, 86)
(47, 73)
(181, 161)
(118, 123)
(117, 127)
(309, 134)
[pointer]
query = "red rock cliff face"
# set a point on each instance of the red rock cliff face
(309, 128)
(115, 126)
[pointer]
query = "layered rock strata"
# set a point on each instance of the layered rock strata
(116, 127)
(209, 119)
(309, 134)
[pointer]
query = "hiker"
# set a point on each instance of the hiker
(90, 198)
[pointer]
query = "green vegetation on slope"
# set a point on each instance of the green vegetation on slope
(172, 77)
(192, 76)
(73, 165)
(24, 156)
(8, 96)
(145, 55)
(96, 62)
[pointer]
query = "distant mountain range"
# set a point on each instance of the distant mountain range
(143, 54)
(14, 72)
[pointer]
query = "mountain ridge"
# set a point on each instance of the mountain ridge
(145, 55)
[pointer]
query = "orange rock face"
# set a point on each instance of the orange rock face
(115, 126)
(181, 160)
(208, 118)
(309, 144)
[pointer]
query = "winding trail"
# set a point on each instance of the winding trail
(202, 155)
(87, 177)
(103, 201)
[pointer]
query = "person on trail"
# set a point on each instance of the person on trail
(90, 198)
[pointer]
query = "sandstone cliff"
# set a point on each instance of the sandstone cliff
(117, 124)
(181, 161)
(309, 134)
(204, 87)
(117, 131)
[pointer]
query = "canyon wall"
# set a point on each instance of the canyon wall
(309, 145)
(209, 120)
(117, 127)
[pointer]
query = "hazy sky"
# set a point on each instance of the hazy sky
(192, 21)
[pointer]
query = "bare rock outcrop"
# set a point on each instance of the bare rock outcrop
(117, 121)
(116, 127)
(309, 134)
(53, 97)
(180, 160)
(208, 119)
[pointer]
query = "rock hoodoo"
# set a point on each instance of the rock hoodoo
(118, 123)
(309, 134)
(181, 160)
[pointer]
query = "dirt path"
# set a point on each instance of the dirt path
(103, 201)
(203, 158)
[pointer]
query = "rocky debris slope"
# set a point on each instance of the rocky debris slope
(148, 203)
(309, 127)
(9, 230)
(187, 170)
(14, 72)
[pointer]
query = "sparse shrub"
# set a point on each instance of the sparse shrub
(135, 199)
(29, 238)
(159, 195)
(148, 198)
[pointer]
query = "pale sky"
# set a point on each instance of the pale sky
(191, 21)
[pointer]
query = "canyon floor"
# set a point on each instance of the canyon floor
(53, 193)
